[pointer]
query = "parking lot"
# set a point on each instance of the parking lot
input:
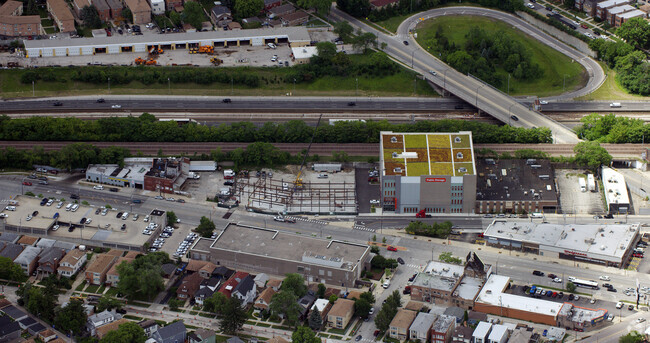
(572, 199)
(366, 191)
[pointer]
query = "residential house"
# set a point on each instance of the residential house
(622, 18)
(473, 317)
(140, 10)
(379, 4)
(14, 24)
(9, 329)
(323, 306)
(149, 326)
(207, 269)
(233, 25)
(96, 271)
(189, 286)
(47, 335)
(456, 312)
(67, 246)
(281, 10)
(268, 4)
(295, 19)
(103, 9)
(100, 319)
(202, 336)
(220, 15)
(414, 306)
(223, 272)
(11, 250)
(463, 334)
(35, 329)
(48, 261)
(206, 289)
(399, 326)
(193, 266)
(246, 290)
(590, 6)
(14, 313)
(9, 237)
(158, 7)
(275, 284)
(105, 329)
(603, 7)
(264, 299)
(173, 4)
(45, 243)
(306, 303)
(613, 12)
(71, 262)
(28, 259)
(78, 5)
(260, 280)
(168, 269)
(116, 12)
(498, 334)
(442, 329)
(340, 314)
(61, 14)
(229, 286)
(28, 241)
(112, 276)
(481, 332)
(420, 329)
(172, 333)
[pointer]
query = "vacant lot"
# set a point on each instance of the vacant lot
(556, 66)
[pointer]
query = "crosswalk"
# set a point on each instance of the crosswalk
(313, 221)
(363, 228)
(414, 266)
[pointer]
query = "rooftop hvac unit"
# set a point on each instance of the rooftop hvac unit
(602, 247)
(393, 139)
(488, 291)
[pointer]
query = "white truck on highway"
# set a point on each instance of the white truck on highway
(583, 184)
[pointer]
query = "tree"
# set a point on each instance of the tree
(294, 283)
(248, 8)
(171, 216)
(321, 291)
(375, 249)
(107, 302)
(38, 301)
(333, 298)
(127, 14)
(632, 337)
(315, 320)
(356, 8)
(234, 316)
(447, 257)
(215, 303)
(591, 154)
(568, 3)
(193, 14)
(362, 307)
(90, 17)
(326, 50)
(635, 32)
(344, 30)
(363, 41)
(71, 318)
(304, 334)
(285, 303)
(143, 276)
(128, 332)
(175, 17)
(388, 311)
(322, 6)
(11, 271)
(570, 286)
(206, 227)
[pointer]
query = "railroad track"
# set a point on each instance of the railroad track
(324, 149)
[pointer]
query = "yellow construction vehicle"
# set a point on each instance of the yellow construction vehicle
(216, 61)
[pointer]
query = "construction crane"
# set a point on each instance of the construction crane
(297, 184)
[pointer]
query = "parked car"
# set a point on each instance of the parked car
(27, 183)
(391, 248)
(400, 260)
(538, 273)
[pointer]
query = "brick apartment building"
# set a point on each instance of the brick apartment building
(14, 24)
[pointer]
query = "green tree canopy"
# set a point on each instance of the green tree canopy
(193, 14)
(11, 271)
(206, 227)
(248, 8)
(315, 320)
(128, 332)
(90, 17)
(304, 334)
(591, 154)
(294, 283)
(143, 276)
(234, 316)
(107, 302)
(285, 303)
(635, 32)
(215, 303)
(71, 318)
(632, 337)
(344, 30)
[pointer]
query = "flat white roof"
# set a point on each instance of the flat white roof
(439, 275)
(621, 9)
(304, 52)
(610, 3)
(497, 333)
(602, 241)
(492, 294)
(633, 14)
(614, 182)
(482, 329)
(293, 34)
(469, 287)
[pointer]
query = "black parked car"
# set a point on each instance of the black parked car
(538, 273)
(74, 196)
(609, 216)
(400, 260)
(226, 101)
(119, 215)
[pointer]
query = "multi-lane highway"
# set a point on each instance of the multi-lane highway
(471, 90)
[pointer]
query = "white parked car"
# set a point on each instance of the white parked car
(604, 278)
(55, 227)
(529, 5)
(98, 187)
(619, 305)
(557, 280)
(146, 218)
(374, 201)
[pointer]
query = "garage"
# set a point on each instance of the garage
(47, 52)
(87, 50)
(113, 49)
(257, 41)
(63, 51)
(74, 51)
(140, 48)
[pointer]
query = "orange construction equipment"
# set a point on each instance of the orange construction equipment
(139, 61)
(150, 62)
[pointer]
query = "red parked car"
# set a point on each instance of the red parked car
(391, 248)
(27, 183)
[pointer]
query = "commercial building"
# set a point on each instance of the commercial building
(167, 175)
(515, 186)
(14, 24)
(275, 252)
(616, 196)
(447, 284)
(434, 172)
(141, 11)
(606, 244)
(296, 36)
(303, 54)
(112, 174)
(61, 14)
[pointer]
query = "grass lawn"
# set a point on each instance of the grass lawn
(81, 287)
(610, 89)
(554, 64)
(264, 325)
(92, 289)
(112, 291)
(47, 22)
(391, 24)
(49, 30)
(101, 289)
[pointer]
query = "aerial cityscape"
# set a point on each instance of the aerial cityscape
(318, 171)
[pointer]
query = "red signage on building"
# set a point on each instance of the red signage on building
(569, 252)
(435, 179)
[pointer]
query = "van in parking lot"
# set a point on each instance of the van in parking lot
(125, 215)
(68, 207)
(74, 208)
(11, 208)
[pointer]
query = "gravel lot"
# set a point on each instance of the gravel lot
(572, 199)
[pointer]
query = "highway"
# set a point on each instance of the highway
(289, 105)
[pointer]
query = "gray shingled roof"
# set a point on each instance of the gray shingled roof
(11, 250)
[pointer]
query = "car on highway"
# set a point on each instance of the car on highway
(400, 260)
(74, 196)
(113, 189)
(406, 42)
(538, 273)
(98, 187)
(433, 72)
(557, 280)
(605, 278)
(514, 117)
(159, 197)
(608, 216)
(279, 219)
(116, 106)
(101, 100)
(58, 103)
(552, 276)
(358, 338)
(226, 101)
(352, 103)
(543, 102)
(391, 248)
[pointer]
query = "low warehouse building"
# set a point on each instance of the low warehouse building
(275, 252)
(618, 200)
(296, 36)
(606, 244)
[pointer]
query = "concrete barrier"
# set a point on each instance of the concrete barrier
(561, 35)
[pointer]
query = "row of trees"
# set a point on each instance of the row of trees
(388, 311)
(77, 155)
(613, 129)
(437, 230)
(633, 71)
(143, 276)
(147, 129)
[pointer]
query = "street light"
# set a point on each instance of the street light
(33, 90)
(169, 83)
(356, 80)
(477, 89)
(508, 83)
